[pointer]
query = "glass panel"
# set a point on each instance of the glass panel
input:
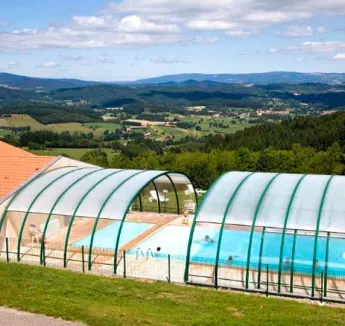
(306, 204)
(333, 213)
(213, 208)
(94, 201)
(148, 199)
(243, 208)
(274, 206)
(47, 199)
(185, 192)
(68, 204)
(167, 195)
(117, 205)
(27, 195)
(12, 224)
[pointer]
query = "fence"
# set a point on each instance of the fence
(262, 278)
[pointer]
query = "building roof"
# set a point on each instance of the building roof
(17, 166)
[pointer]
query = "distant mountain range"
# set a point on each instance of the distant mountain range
(48, 84)
(41, 84)
(255, 78)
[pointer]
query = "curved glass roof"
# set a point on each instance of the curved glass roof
(87, 192)
(276, 200)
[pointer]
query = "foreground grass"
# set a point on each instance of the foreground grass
(98, 301)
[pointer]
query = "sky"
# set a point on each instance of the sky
(132, 39)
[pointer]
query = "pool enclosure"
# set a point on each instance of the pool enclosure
(275, 232)
(268, 232)
(101, 211)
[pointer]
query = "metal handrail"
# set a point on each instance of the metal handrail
(137, 253)
(148, 252)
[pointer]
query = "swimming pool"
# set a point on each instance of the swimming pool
(173, 240)
(106, 238)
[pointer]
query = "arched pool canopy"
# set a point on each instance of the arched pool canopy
(56, 199)
(94, 192)
(253, 203)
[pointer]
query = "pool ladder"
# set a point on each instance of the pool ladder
(149, 252)
(139, 250)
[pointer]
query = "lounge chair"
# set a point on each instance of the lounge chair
(153, 197)
(189, 190)
(189, 206)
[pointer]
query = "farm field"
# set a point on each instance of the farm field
(22, 120)
(102, 126)
(96, 300)
(75, 153)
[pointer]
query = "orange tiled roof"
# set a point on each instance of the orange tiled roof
(17, 166)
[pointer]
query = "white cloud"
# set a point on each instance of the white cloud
(48, 65)
(12, 64)
(104, 59)
(167, 60)
(272, 50)
(135, 24)
(206, 40)
(314, 47)
(209, 25)
(298, 31)
(72, 57)
(146, 22)
(339, 56)
(239, 33)
(139, 58)
(321, 29)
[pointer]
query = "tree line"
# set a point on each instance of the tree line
(204, 167)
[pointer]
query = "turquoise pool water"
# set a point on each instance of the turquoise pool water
(106, 238)
(173, 240)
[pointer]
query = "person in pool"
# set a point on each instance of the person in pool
(208, 239)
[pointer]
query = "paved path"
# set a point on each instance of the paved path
(12, 317)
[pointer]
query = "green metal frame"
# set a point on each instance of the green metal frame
(100, 212)
(32, 203)
(326, 265)
(293, 260)
(253, 226)
(20, 190)
(260, 255)
(176, 195)
(56, 202)
(220, 238)
(125, 214)
(76, 210)
(317, 230)
(140, 203)
(191, 234)
(287, 215)
(158, 200)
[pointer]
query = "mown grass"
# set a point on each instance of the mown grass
(98, 301)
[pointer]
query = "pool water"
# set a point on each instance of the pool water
(173, 240)
(106, 238)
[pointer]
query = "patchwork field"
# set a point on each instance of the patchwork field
(24, 120)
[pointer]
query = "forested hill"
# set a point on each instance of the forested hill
(317, 132)
(44, 84)
(47, 113)
(254, 78)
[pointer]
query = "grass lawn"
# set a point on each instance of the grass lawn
(97, 300)
(75, 153)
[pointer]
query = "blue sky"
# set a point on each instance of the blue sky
(132, 39)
